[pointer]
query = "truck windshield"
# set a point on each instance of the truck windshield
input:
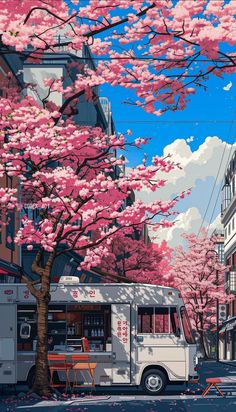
(186, 326)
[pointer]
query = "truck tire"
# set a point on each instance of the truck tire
(154, 382)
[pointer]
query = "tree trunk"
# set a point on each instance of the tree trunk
(41, 384)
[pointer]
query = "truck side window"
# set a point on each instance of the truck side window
(161, 320)
(145, 320)
(174, 321)
(186, 326)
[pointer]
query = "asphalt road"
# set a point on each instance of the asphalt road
(176, 399)
(129, 403)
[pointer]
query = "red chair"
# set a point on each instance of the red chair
(81, 364)
(58, 363)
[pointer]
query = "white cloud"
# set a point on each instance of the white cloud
(200, 168)
(190, 139)
(186, 222)
(196, 166)
(228, 87)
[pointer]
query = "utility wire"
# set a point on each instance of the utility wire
(174, 121)
(220, 188)
(217, 175)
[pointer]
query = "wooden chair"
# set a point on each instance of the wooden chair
(82, 364)
(58, 363)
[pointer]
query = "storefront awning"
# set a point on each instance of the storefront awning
(9, 269)
(230, 325)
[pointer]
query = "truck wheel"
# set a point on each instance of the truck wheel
(154, 381)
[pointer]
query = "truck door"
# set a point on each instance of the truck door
(159, 340)
(8, 339)
(120, 325)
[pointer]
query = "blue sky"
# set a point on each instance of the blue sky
(208, 113)
(200, 137)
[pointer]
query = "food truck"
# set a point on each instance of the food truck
(139, 335)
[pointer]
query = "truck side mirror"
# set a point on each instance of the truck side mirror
(25, 330)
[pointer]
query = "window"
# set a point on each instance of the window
(186, 326)
(174, 321)
(161, 320)
(233, 223)
(220, 251)
(229, 229)
(225, 233)
(10, 231)
(158, 320)
(145, 320)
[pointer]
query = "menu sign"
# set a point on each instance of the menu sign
(121, 331)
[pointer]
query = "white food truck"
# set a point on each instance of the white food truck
(139, 335)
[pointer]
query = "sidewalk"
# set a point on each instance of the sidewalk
(211, 368)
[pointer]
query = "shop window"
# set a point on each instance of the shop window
(90, 321)
(10, 230)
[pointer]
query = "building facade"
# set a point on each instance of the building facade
(66, 66)
(228, 218)
(10, 254)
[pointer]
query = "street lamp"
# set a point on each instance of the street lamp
(217, 306)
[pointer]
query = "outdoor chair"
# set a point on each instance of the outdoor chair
(81, 363)
(59, 363)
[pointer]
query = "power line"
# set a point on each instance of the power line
(215, 180)
(218, 194)
(174, 121)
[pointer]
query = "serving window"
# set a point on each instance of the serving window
(67, 325)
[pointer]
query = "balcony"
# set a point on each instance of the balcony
(230, 285)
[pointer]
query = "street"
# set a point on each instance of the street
(175, 399)
(167, 403)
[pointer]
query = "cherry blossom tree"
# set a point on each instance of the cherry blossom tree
(161, 50)
(65, 170)
(199, 276)
(133, 259)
